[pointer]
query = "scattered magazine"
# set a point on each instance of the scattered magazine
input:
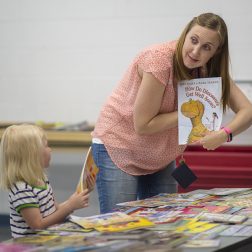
(201, 243)
(125, 226)
(226, 218)
(193, 225)
(67, 226)
(237, 230)
(245, 231)
(102, 219)
(136, 234)
(36, 239)
(199, 108)
(231, 230)
(194, 220)
(142, 203)
(88, 174)
(227, 191)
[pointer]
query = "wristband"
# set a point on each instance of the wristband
(229, 133)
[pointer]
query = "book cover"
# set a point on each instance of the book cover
(88, 173)
(136, 234)
(227, 191)
(201, 243)
(131, 225)
(199, 108)
(102, 219)
(36, 239)
(220, 217)
(67, 226)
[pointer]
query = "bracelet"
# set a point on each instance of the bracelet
(229, 133)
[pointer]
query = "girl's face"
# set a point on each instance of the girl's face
(46, 155)
(200, 46)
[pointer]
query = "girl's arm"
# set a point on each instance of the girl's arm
(146, 116)
(34, 219)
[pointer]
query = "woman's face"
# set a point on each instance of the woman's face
(200, 46)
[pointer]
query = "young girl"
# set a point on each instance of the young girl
(24, 155)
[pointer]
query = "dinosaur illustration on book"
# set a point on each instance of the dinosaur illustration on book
(194, 110)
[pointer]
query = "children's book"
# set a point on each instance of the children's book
(136, 234)
(201, 243)
(231, 230)
(36, 239)
(131, 225)
(226, 218)
(88, 174)
(102, 219)
(199, 108)
(67, 226)
(227, 191)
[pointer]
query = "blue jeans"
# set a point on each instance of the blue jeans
(115, 186)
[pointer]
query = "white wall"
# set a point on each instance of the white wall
(59, 59)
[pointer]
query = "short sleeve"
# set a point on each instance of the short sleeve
(157, 63)
(22, 196)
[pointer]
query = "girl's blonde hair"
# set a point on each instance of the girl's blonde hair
(218, 65)
(21, 155)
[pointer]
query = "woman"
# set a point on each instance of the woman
(135, 141)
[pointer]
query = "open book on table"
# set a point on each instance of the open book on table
(199, 108)
(88, 173)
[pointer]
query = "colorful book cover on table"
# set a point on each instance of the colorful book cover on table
(102, 219)
(88, 173)
(125, 226)
(199, 108)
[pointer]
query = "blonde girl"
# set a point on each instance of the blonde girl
(24, 156)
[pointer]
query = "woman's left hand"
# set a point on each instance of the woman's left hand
(213, 140)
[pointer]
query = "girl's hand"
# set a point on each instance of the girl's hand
(90, 180)
(79, 200)
(213, 140)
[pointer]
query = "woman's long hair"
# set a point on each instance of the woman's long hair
(218, 65)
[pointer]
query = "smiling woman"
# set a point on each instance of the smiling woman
(135, 140)
(200, 45)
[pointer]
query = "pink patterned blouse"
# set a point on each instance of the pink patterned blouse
(132, 153)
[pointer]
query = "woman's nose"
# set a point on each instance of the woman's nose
(196, 50)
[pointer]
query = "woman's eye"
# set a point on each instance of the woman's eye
(194, 40)
(207, 47)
